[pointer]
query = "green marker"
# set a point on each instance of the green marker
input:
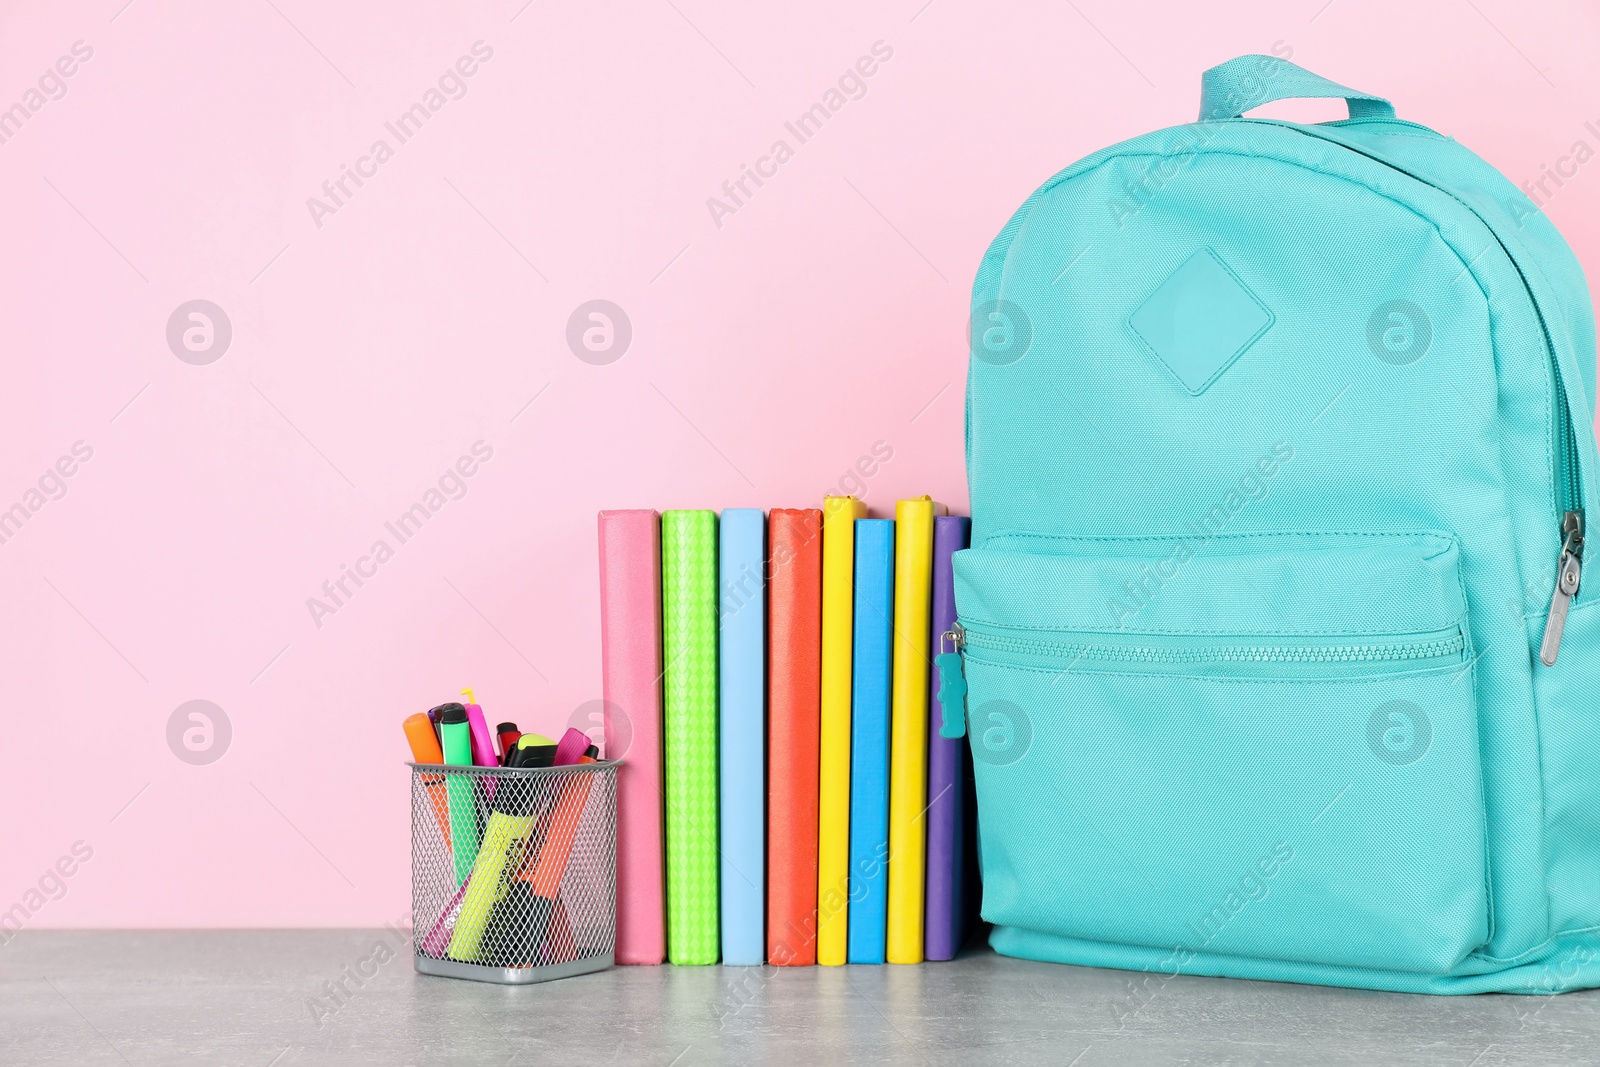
(456, 738)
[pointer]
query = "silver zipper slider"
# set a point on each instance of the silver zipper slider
(956, 636)
(1569, 574)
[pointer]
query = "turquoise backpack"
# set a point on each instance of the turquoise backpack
(1279, 439)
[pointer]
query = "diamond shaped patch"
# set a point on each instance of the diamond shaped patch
(1200, 320)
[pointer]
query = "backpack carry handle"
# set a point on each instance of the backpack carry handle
(1230, 89)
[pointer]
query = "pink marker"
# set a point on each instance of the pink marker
(570, 748)
(483, 754)
(438, 939)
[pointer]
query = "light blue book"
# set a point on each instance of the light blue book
(742, 614)
(869, 740)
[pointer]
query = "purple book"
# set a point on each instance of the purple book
(947, 778)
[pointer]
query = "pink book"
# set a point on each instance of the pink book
(630, 649)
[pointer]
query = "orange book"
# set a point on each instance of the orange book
(794, 665)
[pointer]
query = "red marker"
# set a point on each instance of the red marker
(508, 734)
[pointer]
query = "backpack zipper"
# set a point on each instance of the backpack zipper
(1569, 574)
(953, 681)
(1225, 650)
(1568, 477)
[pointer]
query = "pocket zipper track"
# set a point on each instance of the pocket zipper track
(952, 691)
(1425, 648)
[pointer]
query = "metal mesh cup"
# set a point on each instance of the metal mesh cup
(513, 871)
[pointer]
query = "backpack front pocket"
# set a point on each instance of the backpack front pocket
(1258, 746)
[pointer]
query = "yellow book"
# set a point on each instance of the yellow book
(839, 515)
(908, 727)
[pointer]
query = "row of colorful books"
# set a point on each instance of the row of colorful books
(785, 796)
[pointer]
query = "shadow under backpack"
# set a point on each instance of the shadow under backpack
(1279, 438)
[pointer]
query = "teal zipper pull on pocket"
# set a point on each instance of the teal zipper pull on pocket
(952, 685)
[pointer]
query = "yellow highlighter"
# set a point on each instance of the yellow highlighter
(509, 825)
(502, 835)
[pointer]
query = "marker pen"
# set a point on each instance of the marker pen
(573, 742)
(457, 737)
(438, 939)
(433, 717)
(508, 733)
(505, 918)
(539, 750)
(519, 922)
(537, 884)
(483, 749)
(425, 749)
(509, 824)
(483, 753)
(560, 943)
(424, 742)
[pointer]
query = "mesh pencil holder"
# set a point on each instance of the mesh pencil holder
(514, 871)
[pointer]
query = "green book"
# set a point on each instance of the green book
(689, 646)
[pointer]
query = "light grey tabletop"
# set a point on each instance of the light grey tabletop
(282, 998)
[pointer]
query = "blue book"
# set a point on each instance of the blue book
(869, 740)
(742, 632)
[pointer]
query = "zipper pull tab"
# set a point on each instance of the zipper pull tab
(952, 683)
(1569, 574)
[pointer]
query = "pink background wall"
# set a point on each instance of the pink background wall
(428, 313)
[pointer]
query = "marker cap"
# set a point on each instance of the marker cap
(532, 755)
(424, 742)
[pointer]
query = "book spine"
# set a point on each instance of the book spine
(795, 598)
(946, 771)
(839, 515)
(689, 646)
(908, 723)
(741, 622)
(869, 740)
(630, 641)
